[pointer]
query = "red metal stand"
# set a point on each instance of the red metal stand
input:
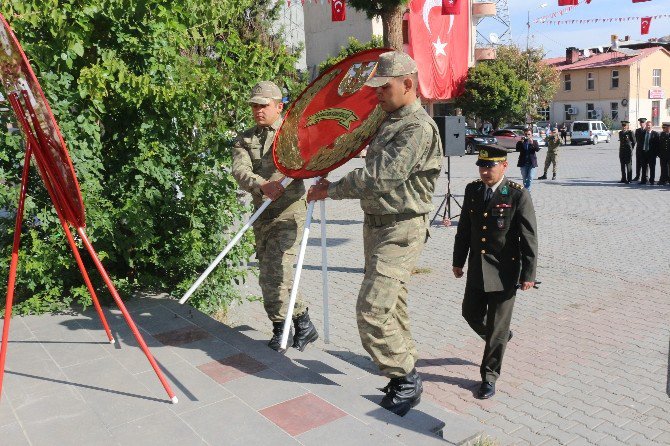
(36, 141)
(14, 263)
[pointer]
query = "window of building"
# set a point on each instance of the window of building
(544, 114)
(590, 81)
(656, 77)
(566, 108)
(567, 82)
(614, 107)
(590, 111)
(615, 78)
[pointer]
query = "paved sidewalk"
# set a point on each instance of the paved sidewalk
(66, 385)
(589, 362)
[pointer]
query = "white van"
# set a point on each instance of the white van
(591, 132)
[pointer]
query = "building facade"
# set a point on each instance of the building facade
(614, 85)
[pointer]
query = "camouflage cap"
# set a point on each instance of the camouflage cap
(390, 65)
(263, 92)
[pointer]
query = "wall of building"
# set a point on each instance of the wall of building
(325, 37)
(642, 83)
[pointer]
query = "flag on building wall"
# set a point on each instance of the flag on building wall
(451, 7)
(645, 23)
(440, 45)
(339, 11)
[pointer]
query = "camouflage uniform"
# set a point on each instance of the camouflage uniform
(553, 142)
(277, 228)
(395, 188)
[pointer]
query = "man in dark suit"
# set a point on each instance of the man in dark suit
(650, 143)
(498, 232)
(664, 154)
(639, 139)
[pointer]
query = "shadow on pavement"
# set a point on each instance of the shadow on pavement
(667, 385)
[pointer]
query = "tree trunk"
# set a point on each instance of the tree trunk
(392, 26)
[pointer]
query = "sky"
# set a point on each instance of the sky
(555, 38)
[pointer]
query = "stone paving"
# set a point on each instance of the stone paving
(589, 362)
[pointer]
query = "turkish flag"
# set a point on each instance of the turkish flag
(339, 11)
(440, 45)
(568, 2)
(451, 7)
(645, 23)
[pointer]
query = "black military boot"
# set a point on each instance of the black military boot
(403, 394)
(543, 177)
(305, 332)
(277, 331)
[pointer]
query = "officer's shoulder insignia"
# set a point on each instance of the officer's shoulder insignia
(515, 185)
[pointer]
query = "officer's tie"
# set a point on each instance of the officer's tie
(488, 195)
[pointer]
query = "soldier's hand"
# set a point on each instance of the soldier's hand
(527, 285)
(458, 272)
(272, 189)
(319, 191)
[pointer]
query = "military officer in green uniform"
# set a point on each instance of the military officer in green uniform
(553, 142)
(626, 146)
(395, 188)
(497, 233)
(277, 228)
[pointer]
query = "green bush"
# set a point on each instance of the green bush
(353, 47)
(148, 95)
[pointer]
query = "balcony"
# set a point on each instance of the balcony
(483, 9)
(485, 53)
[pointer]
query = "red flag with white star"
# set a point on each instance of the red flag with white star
(338, 11)
(440, 46)
(451, 7)
(568, 2)
(645, 23)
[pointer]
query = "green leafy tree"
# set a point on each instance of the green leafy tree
(494, 92)
(542, 79)
(148, 95)
(353, 47)
(391, 12)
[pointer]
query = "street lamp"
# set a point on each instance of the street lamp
(528, 113)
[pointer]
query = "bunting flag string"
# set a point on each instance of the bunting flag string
(602, 20)
(553, 15)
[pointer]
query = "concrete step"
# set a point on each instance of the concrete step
(347, 386)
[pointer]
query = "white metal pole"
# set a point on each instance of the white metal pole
(296, 276)
(285, 182)
(324, 274)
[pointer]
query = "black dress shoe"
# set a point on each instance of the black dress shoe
(403, 393)
(635, 179)
(486, 390)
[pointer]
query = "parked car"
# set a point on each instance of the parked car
(475, 139)
(539, 133)
(508, 137)
(591, 132)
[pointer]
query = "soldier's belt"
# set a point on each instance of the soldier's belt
(377, 221)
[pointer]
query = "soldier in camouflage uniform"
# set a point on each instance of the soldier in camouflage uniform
(395, 188)
(553, 142)
(498, 232)
(277, 228)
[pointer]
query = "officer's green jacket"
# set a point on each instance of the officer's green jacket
(403, 162)
(253, 165)
(500, 238)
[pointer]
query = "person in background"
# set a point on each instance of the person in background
(626, 146)
(664, 154)
(650, 142)
(528, 148)
(639, 142)
(564, 134)
(553, 141)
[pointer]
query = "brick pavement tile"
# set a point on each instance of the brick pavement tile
(620, 433)
(587, 433)
(182, 335)
(611, 441)
(649, 432)
(530, 436)
(302, 414)
(232, 367)
(557, 433)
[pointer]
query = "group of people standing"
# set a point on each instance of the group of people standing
(648, 145)
(496, 235)
(527, 162)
